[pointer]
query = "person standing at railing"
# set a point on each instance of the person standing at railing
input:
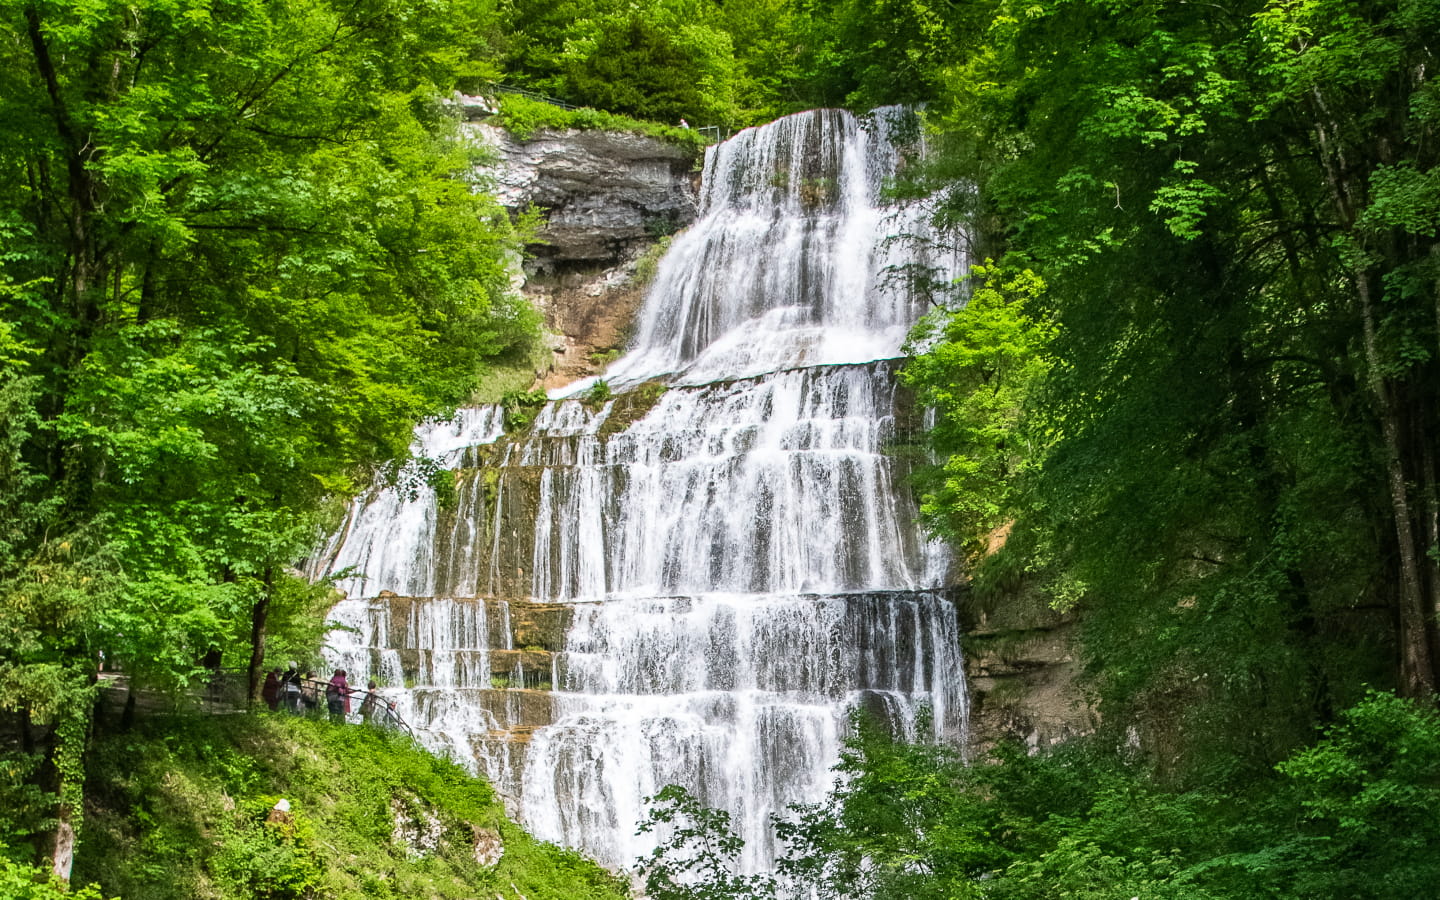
(290, 688)
(310, 693)
(337, 697)
(370, 706)
(270, 693)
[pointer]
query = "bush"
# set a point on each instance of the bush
(19, 882)
(523, 116)
(521, 408)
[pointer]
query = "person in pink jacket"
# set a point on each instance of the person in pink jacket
(337, 697)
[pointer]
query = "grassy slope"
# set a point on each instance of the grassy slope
(178, 809)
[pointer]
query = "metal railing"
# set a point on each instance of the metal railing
(227, 690)
(530, 95)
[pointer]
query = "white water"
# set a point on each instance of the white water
(795, 259)
(741, 565)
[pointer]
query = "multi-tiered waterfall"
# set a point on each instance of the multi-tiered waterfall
(695, 579)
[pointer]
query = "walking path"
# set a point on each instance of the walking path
(225, 693)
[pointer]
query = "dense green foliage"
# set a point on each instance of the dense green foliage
(182, 809)
(978, 366)
(1349, 818)
(240, 256)
(18, 882)
(1228, 453)
(735, 63)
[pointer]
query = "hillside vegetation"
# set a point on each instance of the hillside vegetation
(184, 808)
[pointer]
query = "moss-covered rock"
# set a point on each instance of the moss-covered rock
(540, 625)
(632, 406)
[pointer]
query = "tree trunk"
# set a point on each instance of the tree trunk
(1427, 487)
(1417, 671)
(127, 718)
(63, 776)
(258, 614)
(62, 851)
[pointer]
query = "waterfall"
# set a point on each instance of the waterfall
(697, 579)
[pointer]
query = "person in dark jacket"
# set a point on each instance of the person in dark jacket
(337, 697)
(310, 694)
(370, 706)
(290, 688)
(270, 693)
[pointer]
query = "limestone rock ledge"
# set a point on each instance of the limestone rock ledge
(603, 192)
(1023, 671)
(606, 198)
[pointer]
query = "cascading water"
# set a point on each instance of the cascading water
(698, 579)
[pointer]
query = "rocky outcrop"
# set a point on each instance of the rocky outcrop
(1023, 670)
(607, 199)
(589, 314)
(605, 194)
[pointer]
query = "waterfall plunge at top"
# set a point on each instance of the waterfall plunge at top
(794, 260)
(695, 586)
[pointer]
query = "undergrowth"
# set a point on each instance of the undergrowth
(183, 809)
(514, 372)
(523, 116)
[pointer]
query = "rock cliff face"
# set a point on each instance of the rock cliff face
(606, 197)
(1023, 671)
(605, 194)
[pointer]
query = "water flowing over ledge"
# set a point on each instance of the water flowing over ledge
(696, 581)
(796, 259)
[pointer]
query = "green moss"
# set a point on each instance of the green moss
(490, 476)
(523, 116)
(649, 262)
(632, 406)
(181, 809)
(515, 372)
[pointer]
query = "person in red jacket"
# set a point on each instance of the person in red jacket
(337, 697)
(270, 693)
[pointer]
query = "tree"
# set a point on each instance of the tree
(242, 258)
(699, 857)
(978, 366)
(1234, 468)
(656, 66)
